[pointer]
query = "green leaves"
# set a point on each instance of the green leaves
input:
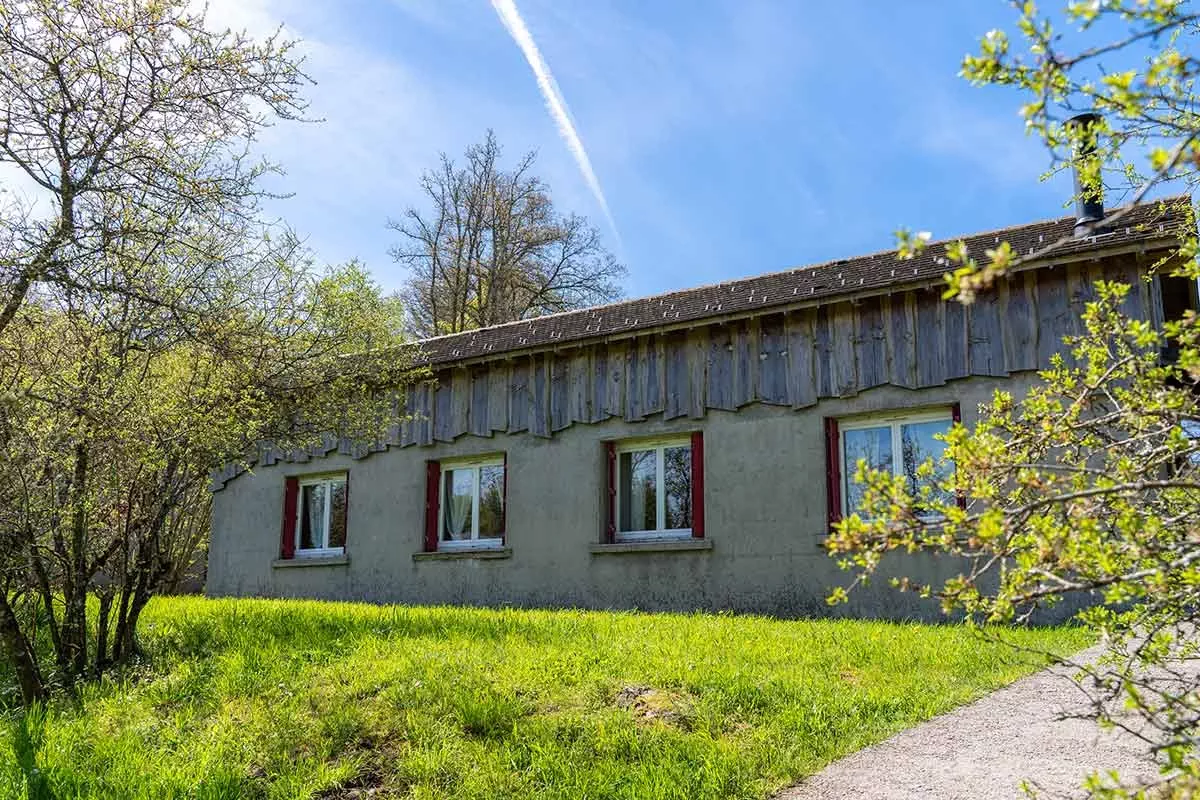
(1088, 486)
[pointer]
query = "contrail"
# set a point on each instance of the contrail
(555, 104)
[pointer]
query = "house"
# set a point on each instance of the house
(685, 451)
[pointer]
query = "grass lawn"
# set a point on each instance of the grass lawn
(300, 699)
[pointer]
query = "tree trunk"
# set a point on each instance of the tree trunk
(102, 660)
(74, 624)
(20, 655)
(118, 653)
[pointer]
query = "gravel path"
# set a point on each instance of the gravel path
(984, 750)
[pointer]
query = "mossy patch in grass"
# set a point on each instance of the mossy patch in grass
(301, 699)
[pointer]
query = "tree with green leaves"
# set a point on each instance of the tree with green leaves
(1088, 487)
(114, 418)
(151, 325)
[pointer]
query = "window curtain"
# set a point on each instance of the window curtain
(458, 513)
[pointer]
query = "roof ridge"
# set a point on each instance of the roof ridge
(824, 282)
(772, 273)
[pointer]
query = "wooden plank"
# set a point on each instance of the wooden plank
(1076, 296)
(560, 391)
(719, 387)
(773, 360)
(823, 331)
(580, 382)
(1053, 314)
(498, 395)
(902, 339)
(802, 377)
(599, 384)
(697, 369)
(460, 402)
(615, 398)
(870, 344)
(539, 394)
(1018, 319)
(424, 428)
(677, 384)
(745, 351)
(931, 339)
(408, 424)
(518, 395)
(480, 395)
(1093, 272)
(1150, 305)
(1155, 300)
(634, 396)
(650, 360)
(955, 317)
(843, 366)
(985, 339)
(443, 397)
(391, 437)
(1124, 269)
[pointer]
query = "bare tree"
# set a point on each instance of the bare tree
(492, 248)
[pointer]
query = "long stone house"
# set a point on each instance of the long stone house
(684, 451)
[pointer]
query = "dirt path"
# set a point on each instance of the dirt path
(984, 750)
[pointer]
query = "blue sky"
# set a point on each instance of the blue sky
(730, 137)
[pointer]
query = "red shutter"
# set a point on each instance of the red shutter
(956, 416)
(833, 472)
(347, 519)
(697, 485)
(287, 536)
(433, 477)
(610, 530)
(504, 504)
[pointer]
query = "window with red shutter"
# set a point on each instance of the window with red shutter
(833, 472)
(610, 528)
(433, 478)
(287, 535)
(316, 515)
(465, 501)
(653, 489)
(697, 485)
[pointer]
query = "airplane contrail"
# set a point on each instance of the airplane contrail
(555, 104)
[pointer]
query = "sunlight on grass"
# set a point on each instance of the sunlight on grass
(302, 699)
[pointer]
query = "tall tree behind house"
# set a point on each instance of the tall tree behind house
(491, 248)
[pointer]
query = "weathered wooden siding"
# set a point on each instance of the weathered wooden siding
(912, 339)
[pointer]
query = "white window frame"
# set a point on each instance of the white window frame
(314, 480)
(660, 512)
(893, 419)
(474, 543)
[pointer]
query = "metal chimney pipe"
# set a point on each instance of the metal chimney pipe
(1089, 201)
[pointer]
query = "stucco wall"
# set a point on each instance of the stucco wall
(765, 517)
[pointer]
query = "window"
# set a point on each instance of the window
(471, 504)
(655, 494)
(898, 443)
(315, 516)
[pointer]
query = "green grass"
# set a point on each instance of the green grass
(300, 699)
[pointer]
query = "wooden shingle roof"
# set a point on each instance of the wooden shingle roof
(1048, 240)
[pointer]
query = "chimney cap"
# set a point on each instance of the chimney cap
(1083, 119)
